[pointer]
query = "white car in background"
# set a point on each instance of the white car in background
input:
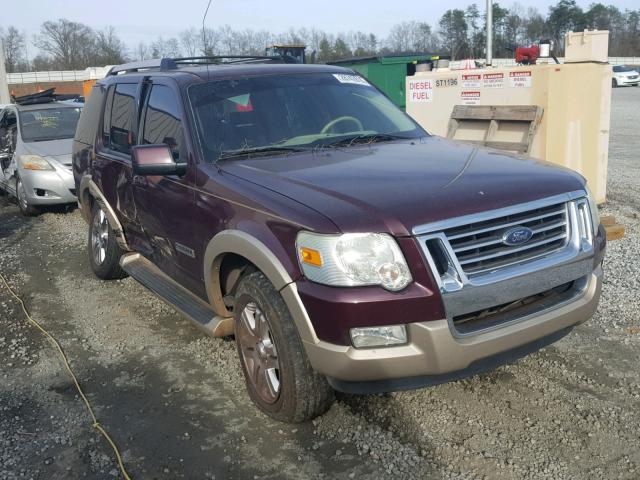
(623, 75)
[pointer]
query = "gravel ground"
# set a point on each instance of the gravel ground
(175, 403)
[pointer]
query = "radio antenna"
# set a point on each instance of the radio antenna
(204, 33)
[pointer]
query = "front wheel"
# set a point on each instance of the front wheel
(26, 208)
(104, 252)
(614, 83)
(278, 375)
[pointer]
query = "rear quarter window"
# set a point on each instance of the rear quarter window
(90, 116)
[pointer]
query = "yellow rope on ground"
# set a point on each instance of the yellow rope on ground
(96, 424)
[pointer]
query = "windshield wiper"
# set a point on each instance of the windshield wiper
(367, 138)
(261, 151)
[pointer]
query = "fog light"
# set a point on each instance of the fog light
(368, 337)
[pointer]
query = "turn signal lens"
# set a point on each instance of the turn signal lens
(310, 256)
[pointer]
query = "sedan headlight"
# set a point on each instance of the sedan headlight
(34, 162)
(593, 207)
(353, 259)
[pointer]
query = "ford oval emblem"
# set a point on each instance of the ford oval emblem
(517, 236)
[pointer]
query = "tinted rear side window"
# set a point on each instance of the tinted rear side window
(163, 121)
(90, 117)
(120, 119)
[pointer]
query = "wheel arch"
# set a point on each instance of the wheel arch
(257, 253)
(248, 247)
(90, 192)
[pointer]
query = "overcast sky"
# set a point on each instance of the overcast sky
(145, 20)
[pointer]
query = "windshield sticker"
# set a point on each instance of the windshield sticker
(420, 91)
(345, 78)
(49, 122)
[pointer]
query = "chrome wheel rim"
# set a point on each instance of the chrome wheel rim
(99, 237)
(22, 195)
(258, 353)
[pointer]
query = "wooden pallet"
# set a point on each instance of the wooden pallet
(492, 115)
(615, 231)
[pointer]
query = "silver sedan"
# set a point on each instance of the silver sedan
(35, 153)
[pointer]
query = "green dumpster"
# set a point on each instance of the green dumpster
(388, 73)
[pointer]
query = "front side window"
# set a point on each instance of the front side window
(121, 118)
(280, 112)
(46, 124)
(163, 121)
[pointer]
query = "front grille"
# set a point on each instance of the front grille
(479, 246)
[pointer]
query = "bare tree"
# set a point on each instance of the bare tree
(165, 48)
(142, 51)
(411, 37)
(191, 42)
(109, 49)
(14, 45)
(69, 43)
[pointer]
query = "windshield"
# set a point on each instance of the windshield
(622, 69)
(48, 124)
(277, 113)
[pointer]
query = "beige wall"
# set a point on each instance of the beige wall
(576, 98)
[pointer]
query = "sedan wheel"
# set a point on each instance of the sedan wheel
(258, 353)
(99, 237)
(23, 203)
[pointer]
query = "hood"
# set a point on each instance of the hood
(59, 150)
(393, 187)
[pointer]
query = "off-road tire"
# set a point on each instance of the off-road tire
(107, 267)
(23, 204)
(304, 393)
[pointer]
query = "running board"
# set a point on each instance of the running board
(175, 295)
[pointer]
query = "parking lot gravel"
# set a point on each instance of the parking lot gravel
(175, 401)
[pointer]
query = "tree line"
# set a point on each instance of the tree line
(66, 45)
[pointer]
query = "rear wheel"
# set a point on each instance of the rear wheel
(26, 208)
(104, 252)
(278, 375)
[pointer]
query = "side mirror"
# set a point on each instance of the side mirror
(155, 160)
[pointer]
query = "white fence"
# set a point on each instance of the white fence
(510, 62)
(99, 72)
(58, 76)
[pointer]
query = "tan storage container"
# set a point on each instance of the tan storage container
(575, 98)
(587, 46)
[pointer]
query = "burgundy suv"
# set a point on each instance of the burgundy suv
(295, 207)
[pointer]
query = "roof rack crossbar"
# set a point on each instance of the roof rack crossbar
(165, 64)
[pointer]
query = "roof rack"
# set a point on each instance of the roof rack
(167, 64)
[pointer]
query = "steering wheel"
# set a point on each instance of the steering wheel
(327, 128)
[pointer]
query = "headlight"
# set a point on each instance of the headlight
(34, 162)
(593, 207)
(353, 259)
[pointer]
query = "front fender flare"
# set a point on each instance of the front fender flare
(254, 250)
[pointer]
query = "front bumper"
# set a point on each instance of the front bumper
(49, 187)
(628, 81)
(435, 354)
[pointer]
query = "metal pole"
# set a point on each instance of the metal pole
(4, 87)
(489, 32)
